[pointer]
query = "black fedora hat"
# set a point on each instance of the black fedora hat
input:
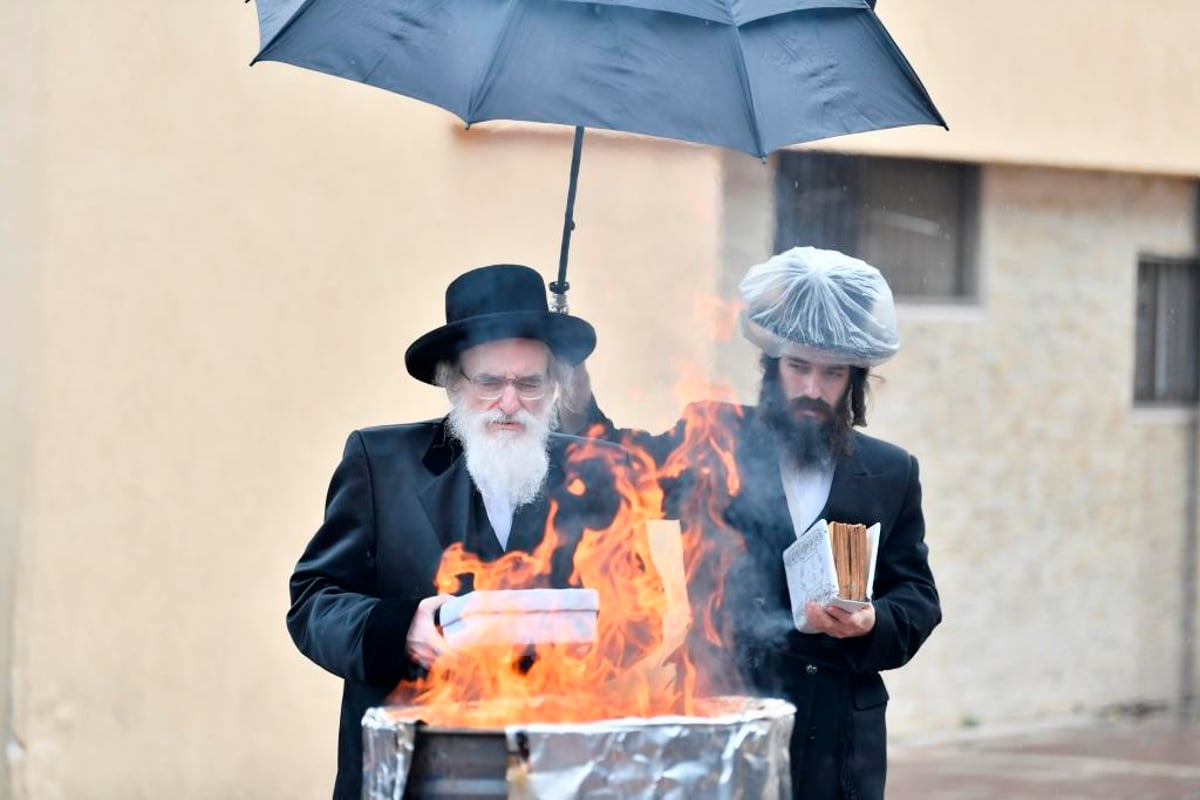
(501, 301)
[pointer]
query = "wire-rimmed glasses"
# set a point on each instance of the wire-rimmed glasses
(491, 387)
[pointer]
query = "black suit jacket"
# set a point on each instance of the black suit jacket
(400, 496)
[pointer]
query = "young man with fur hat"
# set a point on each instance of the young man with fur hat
(822, 320)
(485, 476)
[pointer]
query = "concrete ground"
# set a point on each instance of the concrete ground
(1151, 758)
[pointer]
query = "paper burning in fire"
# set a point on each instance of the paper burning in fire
(506, 669)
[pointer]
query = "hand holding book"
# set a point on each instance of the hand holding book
(831, 564)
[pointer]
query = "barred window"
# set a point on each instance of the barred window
(1167, 362)
(915, 220)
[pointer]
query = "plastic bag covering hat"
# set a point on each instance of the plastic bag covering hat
(822, 306)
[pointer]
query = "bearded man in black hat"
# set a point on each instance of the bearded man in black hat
(363, 599)
(822, 320)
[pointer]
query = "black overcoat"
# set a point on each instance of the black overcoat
(400, 496)
(839, 746)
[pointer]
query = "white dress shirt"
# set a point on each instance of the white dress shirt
(500, 514)
(807, 491)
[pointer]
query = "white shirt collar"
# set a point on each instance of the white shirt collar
(806, 490)
(500, 514)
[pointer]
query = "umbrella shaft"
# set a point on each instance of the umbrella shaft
(560, 286)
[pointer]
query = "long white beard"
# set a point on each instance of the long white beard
(507, 464)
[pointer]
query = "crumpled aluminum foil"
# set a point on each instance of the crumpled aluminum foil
(739, 749)
(387, 754)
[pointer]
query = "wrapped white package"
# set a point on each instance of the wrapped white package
(521, 616)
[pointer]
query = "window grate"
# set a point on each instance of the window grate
(915, 220)
(1167, 332)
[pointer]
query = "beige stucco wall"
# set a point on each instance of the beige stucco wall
(1056, 511)
(21, 130)
(210, 274)
(1095, 84)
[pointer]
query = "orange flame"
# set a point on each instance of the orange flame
(626, 671)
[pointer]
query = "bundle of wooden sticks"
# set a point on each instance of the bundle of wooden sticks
(851, 559)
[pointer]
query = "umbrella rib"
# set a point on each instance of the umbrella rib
(282, 29)
(744, 76)
(908, 70)
(478, 94)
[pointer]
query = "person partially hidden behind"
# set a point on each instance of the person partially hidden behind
(363, 601)
(822, 320)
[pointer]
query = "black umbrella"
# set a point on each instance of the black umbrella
(751, 75)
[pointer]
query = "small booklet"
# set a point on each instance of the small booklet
(831, 564)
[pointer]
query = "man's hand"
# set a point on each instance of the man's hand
(425, 642)
(838, 622)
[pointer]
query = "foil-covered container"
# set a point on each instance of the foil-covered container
(387, 754)
(736, 748)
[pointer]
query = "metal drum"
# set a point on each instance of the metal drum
(737, 747)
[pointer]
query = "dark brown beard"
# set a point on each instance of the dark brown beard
(808, 441)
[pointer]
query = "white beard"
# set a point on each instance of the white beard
(508, 464)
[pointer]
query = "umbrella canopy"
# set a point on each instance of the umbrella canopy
(751, 75)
